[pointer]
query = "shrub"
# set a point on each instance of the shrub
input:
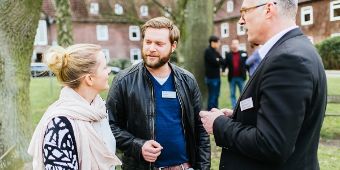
(329, 51)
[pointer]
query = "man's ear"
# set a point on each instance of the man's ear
(88, 80)
(173, 46)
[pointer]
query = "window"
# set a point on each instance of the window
(135, 55)
(167, 14)
(102, 33)
(224, 30)
(107, 54)
(144, 10)
(335, 34)
(240, 29)
(94, 8)
(119, 9)
(41, 36)
(307, 15)
(243, 47)
(134, 33)
(225, 50)
(230, 6)
(335, 10)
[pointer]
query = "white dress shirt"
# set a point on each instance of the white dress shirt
(270, 43)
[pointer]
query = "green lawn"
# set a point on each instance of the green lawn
(44, 91)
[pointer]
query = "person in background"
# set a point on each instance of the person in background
(212, 61)
(254, 60)
(237, 71)
(154, 108)
(74, 132)
(276, 123)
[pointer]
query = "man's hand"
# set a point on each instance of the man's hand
(208, 119)
(226, 112)
(151, 150)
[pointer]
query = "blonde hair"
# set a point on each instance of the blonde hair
(162, 22)
(71, 64)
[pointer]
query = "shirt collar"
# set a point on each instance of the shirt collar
(270, 43)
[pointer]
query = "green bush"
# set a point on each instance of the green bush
(120, 62)
(329, 51)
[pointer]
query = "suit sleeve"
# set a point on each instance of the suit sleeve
(204, 150)
(126, 141)
(285, 90)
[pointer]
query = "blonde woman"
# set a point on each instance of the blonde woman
(74, 132)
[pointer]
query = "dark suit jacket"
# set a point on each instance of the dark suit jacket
(229, 63)
(281, 130)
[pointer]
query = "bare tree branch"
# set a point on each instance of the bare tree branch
(164, 8)
(219, 5)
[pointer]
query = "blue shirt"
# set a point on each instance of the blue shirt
(168, 125)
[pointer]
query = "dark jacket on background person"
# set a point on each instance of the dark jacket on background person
(243, 67)
(280, 130)
(212, 61)
(131, 108)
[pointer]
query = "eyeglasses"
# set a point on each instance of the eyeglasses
(245, 10)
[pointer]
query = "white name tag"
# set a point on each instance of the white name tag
(246, 104)
(169, 94)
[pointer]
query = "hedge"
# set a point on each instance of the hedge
(329, 51)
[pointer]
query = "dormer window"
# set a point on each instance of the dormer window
(230, 6)
(144, 10)
(119, 9)
(94, 8)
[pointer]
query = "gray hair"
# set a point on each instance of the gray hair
(287, 8)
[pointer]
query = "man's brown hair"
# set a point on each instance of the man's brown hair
(162, 22)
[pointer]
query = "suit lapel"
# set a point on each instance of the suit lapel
(293, 33)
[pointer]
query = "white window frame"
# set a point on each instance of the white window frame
(135, 51)
(239, 30)
(144, 10)
(94, 8)
(335, 34)
(119, 9)
(102, 32)
(307, 10)
(224, 49)
(167, 14)
(243, 46)
(230, 6)
(134, 29)
(225, 30)
(41, 35)
(334, 5)
(106, 52)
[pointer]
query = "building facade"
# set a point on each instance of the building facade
(114, 24)
(318, 19)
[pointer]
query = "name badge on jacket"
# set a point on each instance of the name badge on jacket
(246, 104)
(169, 94)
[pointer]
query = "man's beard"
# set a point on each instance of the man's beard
(161, 60)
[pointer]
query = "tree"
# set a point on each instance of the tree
(64, 23)
(195, 21)
(197, 29)
(18, 25)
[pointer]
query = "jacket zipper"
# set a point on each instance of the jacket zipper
(180, 103)
(152, 126)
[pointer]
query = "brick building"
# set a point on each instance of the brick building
(110, 24)
(318, 19)
(107, 23)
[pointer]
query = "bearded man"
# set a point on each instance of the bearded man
(154, 108)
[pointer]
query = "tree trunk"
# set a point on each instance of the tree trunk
(198, 26)
(18, 25)
(64, 23)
